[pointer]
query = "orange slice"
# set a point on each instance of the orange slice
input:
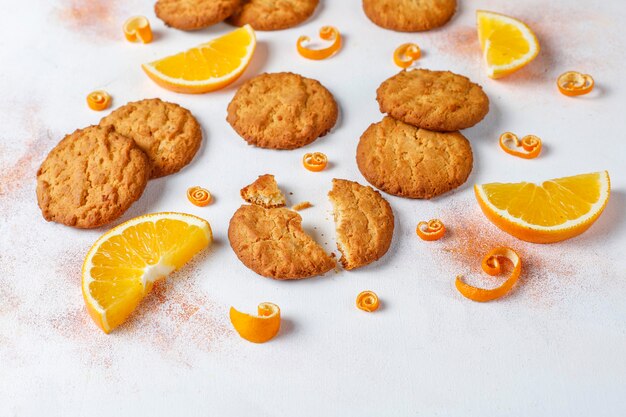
(257, 329)
(507, 43)
(122, 266)
(555, 210)
(207, 67)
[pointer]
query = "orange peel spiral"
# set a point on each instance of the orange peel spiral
(491, 265)
(199, 196)
(430, 230)
(99, 100)
(137, 28)
(530, 143)
(315, 161)
(406, 54)
(573, 83)
(367, 301)
(327, 33)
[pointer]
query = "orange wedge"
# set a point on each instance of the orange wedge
(507, 43)
(553, 211)
(122, 266)
(207, 67)
(257, 329)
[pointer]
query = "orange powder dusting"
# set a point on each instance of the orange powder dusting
(461, 42)
(92, 17)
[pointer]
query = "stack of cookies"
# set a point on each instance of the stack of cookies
(94, 174)
(416, 151)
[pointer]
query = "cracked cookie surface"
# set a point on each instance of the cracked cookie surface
(282, 111)
(273, 14)
(409, 15)
(271, 242)
(194, 14)
(91, 177)
(407, 161)
(434, 100)
(364, 223)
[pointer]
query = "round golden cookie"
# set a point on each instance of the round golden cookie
(91, 177)
(409, 15)
(407, 161)
(434, 100)
(194, 14)
(166, 132)
(273, 14)
(271, 242)
(282, 111)
(363, 221)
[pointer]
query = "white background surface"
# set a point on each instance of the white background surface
(555, 346)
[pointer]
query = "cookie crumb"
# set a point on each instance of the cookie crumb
(302, 206)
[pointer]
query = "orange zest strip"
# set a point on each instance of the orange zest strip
(260, 328)
(367, 301)
(572, 83)
(137, 28)
(315, 161)
(199, 196)
(491, 265)
(327, 33)
(406, 54)
(530, 143)
(99, 100)
(431, 230)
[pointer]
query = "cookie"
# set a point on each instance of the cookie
(194, 14)
(434, 100)
(91, 177)
(271, 242)
(264, 192)
(407, 161)
(166, 132)
(282, 111)
(409, 15)
(273, 14)
(363, 221)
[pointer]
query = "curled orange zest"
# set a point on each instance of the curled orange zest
(315, 161)
(328, 33)
(530, 143)
(572, 83)
(260, 328)
(431, 230)
(491, 265)
(367, 301)
(137, 28)
(99, 100)
(406, 54)
(199, 196)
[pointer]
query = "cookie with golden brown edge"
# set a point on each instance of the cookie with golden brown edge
(271, 242)
(273, 14)
(434, 100)
(282, 111)
(91, 178)
(409, 15)
(194, 14)
(407, 161)
(166, 132)
(264, 192)
(363, 221)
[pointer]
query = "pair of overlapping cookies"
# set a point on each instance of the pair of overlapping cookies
(416, 151)
(269, 238)
(94, 174)
(260, 14)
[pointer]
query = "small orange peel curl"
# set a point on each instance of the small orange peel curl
(406, 54)
(431, 230)
(573, 83)
(199, 196)
(491, 265)
(315, 161)
(137, 29)
(327, 33)
(260, 328)
(530, 143)
(99, 100)
(367, 301)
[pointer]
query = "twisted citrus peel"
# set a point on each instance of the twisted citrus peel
(137, 28)
(315, 161)
(257, 329)
(491, 265)
(367, 301)
(572, 83)
(530, 143)
(327, 33)
(406, 54)
(431, 230)
(98, 100)
(199, 196)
